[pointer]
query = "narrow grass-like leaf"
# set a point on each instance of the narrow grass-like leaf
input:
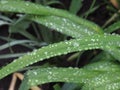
(114, 85)
(90, 42)
(54, 2)
(19, 25)
(28, 35)
(46, 75)
(64, 26)
(102, 56)
(104, 79)
(16, 42)
(6, 56)
(57, 87)
(75, 6)
(113, 27)
(90, 9)
(29, 45)
(70, 86)
(3, 23)
(95, 77)
(103, 65)
(5, 18)
(35, 9)
(114, 51)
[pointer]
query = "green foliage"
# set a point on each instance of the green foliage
(12, 43)
(20, 26)
(64, 26)
(88, 43)
(30, 8)
(75, 6)
(113, 27)
(101, 75)
(93, 76)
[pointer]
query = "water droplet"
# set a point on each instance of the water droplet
(36, 81)
(93, 40)
(4, 1)
(34, 72)
(45, 53)
(27, 4)
(76, 44)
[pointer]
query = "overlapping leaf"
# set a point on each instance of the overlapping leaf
(35, 9)
(64, 26)
(75, 6)
(113, 27)
(92, 76)
(91, 42)
(76, 27)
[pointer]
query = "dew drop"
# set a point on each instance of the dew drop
(4, 1)
(35, 73)
(76, 44)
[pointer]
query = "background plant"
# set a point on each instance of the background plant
(84, 37)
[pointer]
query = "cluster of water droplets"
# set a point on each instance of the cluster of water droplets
(64, 26)
(113, 86)
(44, 75)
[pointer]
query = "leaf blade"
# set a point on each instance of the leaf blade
(75, 6)
(64, 26)
(88, 43)
(87, 77)
(35, 9)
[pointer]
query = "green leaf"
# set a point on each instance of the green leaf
(9, 40)
(53, 2)
(4, 18)
(114, 51)
(91, 9)
(63, 25)
(113, 27)
(35, 9)
(105, 81)
(102, 56)
(19, 25)
(44, 75)
(103, 65)
(12, 43)
(70, 86)
(3, 23)
(75, 6)
(57, 87)
(88, 43)
(8, 56)
(89, 78)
